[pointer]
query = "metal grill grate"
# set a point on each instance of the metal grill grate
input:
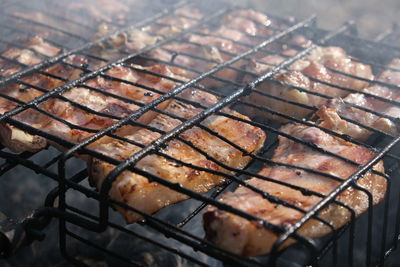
(233, 94)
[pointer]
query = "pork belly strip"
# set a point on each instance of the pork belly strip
(247, 238)
(137, 191)
(317, 65)
(331, 113)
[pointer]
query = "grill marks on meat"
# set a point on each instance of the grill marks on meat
(331, 113)
(138, 192)
(247, 238)
(306, 74)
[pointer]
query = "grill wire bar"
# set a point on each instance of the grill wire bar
(66, 213)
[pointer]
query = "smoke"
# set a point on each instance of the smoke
(371, 16)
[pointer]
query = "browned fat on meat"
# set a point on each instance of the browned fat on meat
(333, 113)
(248, 238)
(147, 196)
(302, 74)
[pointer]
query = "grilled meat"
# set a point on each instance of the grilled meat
(135, 40)
(248, 238)
(34, 53)
(184, 18)
(310, 74)
(335, 110)
(19, 141)
(147, 196)
(248, 21)
(84, 123)
(200, 51)
(32, 87)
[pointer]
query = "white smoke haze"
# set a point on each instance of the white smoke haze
(371, 16)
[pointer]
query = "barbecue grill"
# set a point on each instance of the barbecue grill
(85, 216)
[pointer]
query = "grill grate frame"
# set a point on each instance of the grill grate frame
(99, 223)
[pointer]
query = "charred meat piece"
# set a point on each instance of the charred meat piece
(248, 238)
(147, 196)
(331, 114)
(310, 74)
